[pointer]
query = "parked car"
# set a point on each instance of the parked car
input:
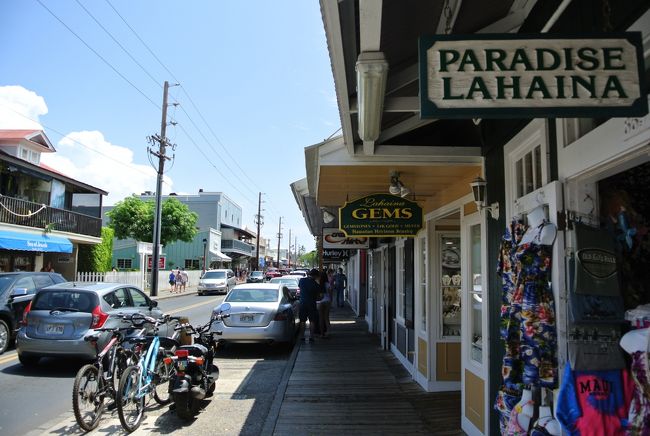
(259, 312)
(217, 281)
(16, 291)
(272, 272)
(255, 277)
(60, 316)
(290, 282)
(299, 273)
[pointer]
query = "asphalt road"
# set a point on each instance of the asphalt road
(39, 401)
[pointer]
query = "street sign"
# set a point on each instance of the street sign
(532, 76)
(161, 262)
(380, 215)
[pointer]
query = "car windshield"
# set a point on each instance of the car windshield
(252, 295)
(214, 275)
(5, 282)
(73, 301)
(257, 274)
(285, 281)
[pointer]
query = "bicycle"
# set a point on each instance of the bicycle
(145, 377)
(95, 382)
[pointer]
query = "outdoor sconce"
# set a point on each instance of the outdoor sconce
(396, 187)
(478, 190)
(327, 216)
(372, 71)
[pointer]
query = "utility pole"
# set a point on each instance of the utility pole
(258, 220)
(162, 157)
(289, 250)
(295, 250)
(279, 238)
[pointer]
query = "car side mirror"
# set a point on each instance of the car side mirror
(152, 304)
(19, 292)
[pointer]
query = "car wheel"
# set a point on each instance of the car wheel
(28, 361)
(5, 336)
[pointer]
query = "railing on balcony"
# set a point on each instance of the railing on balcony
(233, 245)
(24, 213)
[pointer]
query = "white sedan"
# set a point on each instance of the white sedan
(259, 312)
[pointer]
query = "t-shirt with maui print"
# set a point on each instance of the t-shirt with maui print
(594, 403)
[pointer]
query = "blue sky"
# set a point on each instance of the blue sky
(258, 72)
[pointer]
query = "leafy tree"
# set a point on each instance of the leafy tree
(310, 259)
(97, 257)
(134, 218)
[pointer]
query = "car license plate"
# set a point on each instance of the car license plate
(246, 318)
(54, 329)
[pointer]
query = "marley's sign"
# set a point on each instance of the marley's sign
(380, 215)
(518, 76)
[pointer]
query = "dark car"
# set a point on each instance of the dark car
(255, 277)
(16, 291)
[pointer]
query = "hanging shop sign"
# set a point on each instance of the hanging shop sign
(380, 215)
(335, 255)
(335, 238)
(518, 76)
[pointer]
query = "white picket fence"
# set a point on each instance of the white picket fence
(134, 278)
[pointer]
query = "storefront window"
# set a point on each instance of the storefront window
(476, 295)
(423, 284)
(450, 284)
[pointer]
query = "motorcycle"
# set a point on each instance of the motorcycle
(195, 374)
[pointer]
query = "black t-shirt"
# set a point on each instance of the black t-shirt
(309, 290)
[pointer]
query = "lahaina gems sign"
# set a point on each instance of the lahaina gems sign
(380, 215)
(520, 76)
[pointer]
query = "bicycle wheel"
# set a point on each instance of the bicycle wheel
(161, 379)
(87, 397)
(130, 404)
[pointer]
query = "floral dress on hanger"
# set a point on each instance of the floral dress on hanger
(639, 413)
(527, 318)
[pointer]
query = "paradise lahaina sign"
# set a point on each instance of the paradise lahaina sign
(521, 76)
(380, 215)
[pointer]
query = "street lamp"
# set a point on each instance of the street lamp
(205, 253)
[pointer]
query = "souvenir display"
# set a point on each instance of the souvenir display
(450, 286)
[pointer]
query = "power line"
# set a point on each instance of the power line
(118, 43)
(63, 135)
(98, 55)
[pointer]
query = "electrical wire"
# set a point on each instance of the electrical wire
(98, 55)
(157, 82)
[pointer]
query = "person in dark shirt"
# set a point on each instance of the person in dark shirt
(309, 290)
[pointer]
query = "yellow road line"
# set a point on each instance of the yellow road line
(6, 358)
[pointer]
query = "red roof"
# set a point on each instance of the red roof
(49, 168)
(16, 134)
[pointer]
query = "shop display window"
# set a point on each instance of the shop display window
(476, 295)
(450, 284)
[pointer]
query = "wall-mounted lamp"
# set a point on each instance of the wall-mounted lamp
(372, 71)
(328, 217)
(396, 187)
(478, 190)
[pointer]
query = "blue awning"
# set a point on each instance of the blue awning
(34, 242)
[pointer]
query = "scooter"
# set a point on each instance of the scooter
(195, 374)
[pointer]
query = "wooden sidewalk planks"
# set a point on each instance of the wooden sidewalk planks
(348, 385)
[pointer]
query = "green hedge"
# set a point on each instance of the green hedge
(97, 258)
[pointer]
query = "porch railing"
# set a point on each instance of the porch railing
(229, 245)
(30, 214)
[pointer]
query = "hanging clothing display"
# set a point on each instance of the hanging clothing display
(594, 403)
(527, 323)
(639, 414)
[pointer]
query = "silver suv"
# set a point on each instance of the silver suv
(217, 281)
(60, 316)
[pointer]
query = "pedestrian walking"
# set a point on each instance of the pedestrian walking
(172, 281)
(340, 283)
(324, 304)
(309, 290)
(182, 275)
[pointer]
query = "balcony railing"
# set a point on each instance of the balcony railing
(23, 213)
(233, 245)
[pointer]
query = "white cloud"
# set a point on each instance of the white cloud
(20, 108)
(86, 155)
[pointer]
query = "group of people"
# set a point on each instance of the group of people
(178, 280)
(317, 293)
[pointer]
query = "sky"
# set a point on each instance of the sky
(256, 88)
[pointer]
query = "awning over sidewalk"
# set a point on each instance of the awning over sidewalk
(222, 257)
(34, 242)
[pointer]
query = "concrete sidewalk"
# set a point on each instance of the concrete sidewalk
(348, 385)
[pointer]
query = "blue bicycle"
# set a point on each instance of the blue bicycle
(149, 377)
